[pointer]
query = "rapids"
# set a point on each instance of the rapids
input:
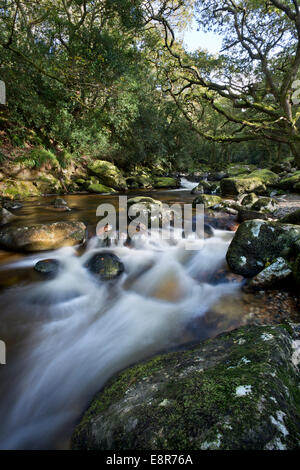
(67, 336)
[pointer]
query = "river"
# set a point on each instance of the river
(67, 336)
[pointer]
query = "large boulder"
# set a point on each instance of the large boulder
(206, 187)
(14, 189)
(238, 185)
(257, 242)
(265, 205)
(208, 200)
(292, 218)
(289, 182)
(41, 237)
(239, 391)
(249, 199)
(139, 181)
(108, 174)
(272, 275)
(255, 181)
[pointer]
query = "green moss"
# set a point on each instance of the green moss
(99, 188)
(208, 200)
(164, 182)
(108, 174)
(189, 400)
(36, 158)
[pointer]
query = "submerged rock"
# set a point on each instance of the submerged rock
(257, 242)
(12, 205)
(39, 237)
(6, 216)
(48, 266)
(272, 275)
(236, 391)
(60, 203)
(106, 265)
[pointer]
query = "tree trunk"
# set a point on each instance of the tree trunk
(295, 148)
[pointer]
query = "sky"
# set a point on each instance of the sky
(194, 39)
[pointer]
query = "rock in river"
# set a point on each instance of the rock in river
(107, 265)
(238, 391)
(257, 242)
(47, 266)
(39, 237)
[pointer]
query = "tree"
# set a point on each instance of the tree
(251, 83)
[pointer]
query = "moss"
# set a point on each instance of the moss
(99, 188)
(164, 182)
(256, 241)
(189, 400)
(15, 189)
(290, 181)
(207, 200)
(108, 174)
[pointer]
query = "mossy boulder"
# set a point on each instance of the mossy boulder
(292, 218)
(236, 169)
(48, 184)
(208, 200)
(146, 207)
(14, 189)
(161, 182)
(238, 185)
(207, 187)
(41, 237)
(142, 181)
(249, 199)
(290, 182)
(272, 275)
(255, 181)
(108, 174)
(99, 188)
(239, 391)
(265, 205)
(257, 242)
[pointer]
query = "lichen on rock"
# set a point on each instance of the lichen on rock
(236, 391)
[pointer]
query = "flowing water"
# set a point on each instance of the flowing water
(67, 336)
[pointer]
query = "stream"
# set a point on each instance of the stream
(67, 336)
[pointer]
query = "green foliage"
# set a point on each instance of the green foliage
(36, 158)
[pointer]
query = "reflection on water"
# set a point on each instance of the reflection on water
(66, 336)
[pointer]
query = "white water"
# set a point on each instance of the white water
(188, 185)
(73, 332)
